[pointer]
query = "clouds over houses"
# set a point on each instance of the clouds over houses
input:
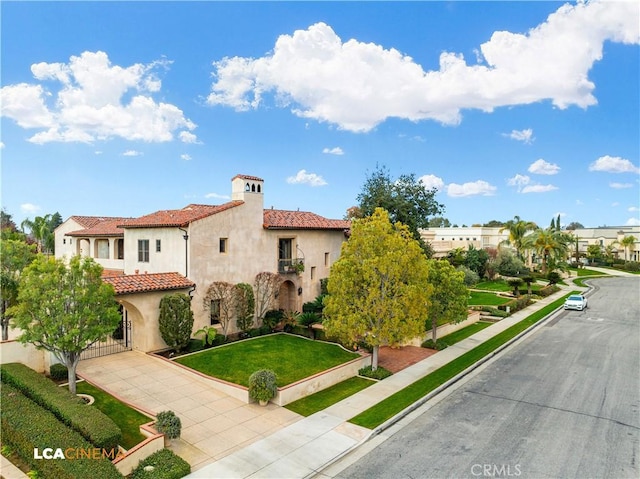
(304, 178)
(89, 99)
(320, 76)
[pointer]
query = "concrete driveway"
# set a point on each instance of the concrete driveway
(213, 425)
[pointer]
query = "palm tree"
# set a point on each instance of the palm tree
(550, 244)
(517, 231)
(40, 231)
(627, 242)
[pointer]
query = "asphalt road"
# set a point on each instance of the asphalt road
(563, 403)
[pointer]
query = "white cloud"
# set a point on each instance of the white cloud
(132, 153)
(613, 164)
(525, 136)
(519, 180)
(29, 208)
(615, 203)
(216, 195)
(541, 167)
(302, 177)
(95, 101)
(432, 181)
(358, 85)
(1, 145)
(633, 222)
(579, 202)
(620, 186)
(185, 157)
(333, 151)
(633, 209)
(479, 187)
(188, 137)
(538, 188)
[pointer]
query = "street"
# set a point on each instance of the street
(564, 403)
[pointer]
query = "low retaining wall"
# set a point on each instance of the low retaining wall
(127, 462)
(472, 318)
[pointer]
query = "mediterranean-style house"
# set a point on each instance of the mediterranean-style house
(186, 250)
(444, 240)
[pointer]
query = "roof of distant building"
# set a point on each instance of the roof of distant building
(247, 177)
(101, 227)
(181, 217)
(141, 283)
(282, 219)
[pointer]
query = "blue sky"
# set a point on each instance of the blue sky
(508, 108)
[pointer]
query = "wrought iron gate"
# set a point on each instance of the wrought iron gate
(117, 342)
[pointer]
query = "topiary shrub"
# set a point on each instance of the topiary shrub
(263, 385)
(379, 374)
(169, 424)
(163, 464)
(176, 320)
(58, 372)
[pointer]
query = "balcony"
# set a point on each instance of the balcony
(291, 265)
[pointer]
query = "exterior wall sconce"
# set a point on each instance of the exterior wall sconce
(299, 290)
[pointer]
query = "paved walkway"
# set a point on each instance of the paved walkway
(213, 424)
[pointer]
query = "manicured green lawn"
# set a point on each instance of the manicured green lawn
(464, 333)
(497, 285)
(327, 397)
(477, 298)
(291, 357)
(127, 419)
(389, 407)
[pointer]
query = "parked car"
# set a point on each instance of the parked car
(576, 301)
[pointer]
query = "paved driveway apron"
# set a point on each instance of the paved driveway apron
(214, 425)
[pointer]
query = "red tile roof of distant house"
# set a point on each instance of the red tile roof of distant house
(102, 227)
(142, 283)
(282, 219)
(90, 221)
(182, 217)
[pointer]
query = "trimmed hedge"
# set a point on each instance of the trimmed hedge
(166, 465)
(92, 423)
(26, 426)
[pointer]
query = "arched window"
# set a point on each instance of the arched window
(247, 187)
(253, 188)
(258, 188)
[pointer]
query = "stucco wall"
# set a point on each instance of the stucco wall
(170, 258)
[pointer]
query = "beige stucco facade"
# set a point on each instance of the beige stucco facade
(444, 240)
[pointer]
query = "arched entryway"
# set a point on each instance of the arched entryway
(287, 298)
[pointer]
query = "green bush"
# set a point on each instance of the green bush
(516, 304)
(379, 373)
(438, 345)
(169, 424)
(26, 426)
(166, 465)
(547, 290)
(93, 424)
(272, 318)
(263, 385)
(58, 372)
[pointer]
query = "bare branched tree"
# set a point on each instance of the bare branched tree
(266, 285)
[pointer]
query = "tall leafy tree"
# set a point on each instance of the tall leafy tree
(518, 229)
(65, 309)
(176, 320)
(14, 257)
(379, 288)
(550, 244)
(41, 229)
(627, 243)
(406, 199)
(449, 298)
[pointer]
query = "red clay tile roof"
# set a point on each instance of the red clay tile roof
(89, 221)
(282, 219)
(180, 217)
(103, 227)
(141, 283)
(247, 177)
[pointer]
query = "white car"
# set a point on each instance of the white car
(576, 301)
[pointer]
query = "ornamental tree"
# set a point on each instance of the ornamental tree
(65, 309)
(176, 320)
(378, 289)
(449, 298)
(15, 255)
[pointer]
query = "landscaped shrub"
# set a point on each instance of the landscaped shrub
(93, 424)
(272, 318)
(516, 304)
(553, 277)
(165, 464)
(58, 372)
(438, 345)
(169, 424)
(548, 290)
(26, 426)
(176, 320)
(380, 373)
(263, 385)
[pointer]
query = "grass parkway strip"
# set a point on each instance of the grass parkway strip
(389, 407)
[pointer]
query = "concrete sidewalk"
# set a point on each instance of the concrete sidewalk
(304, 448)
